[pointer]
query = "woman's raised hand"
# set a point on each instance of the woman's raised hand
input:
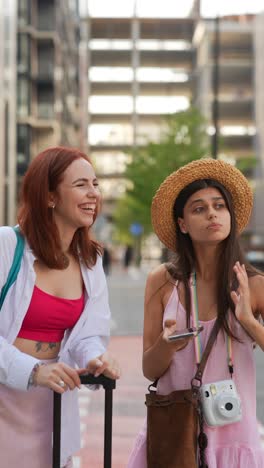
(241, 297)
(106, 365)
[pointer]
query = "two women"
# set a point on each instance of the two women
(55, 318)
(199, 212)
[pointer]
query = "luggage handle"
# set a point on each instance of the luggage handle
(87, 379)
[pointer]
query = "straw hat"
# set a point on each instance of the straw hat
(230, 177)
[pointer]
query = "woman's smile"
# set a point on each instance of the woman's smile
(88, 208)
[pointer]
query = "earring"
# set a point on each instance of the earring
(52, 206)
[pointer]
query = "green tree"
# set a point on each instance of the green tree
(183, 140)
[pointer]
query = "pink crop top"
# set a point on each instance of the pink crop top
(49, 316)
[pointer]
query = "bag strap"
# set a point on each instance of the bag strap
(196, 384)
(197, 379)
(15, 267)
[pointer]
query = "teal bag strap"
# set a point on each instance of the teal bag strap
(12, 275)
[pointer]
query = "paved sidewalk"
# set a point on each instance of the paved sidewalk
(128, 409)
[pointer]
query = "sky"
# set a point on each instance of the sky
(169, 8)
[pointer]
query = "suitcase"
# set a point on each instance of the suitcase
(108, 385)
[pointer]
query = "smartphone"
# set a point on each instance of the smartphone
(179, 334)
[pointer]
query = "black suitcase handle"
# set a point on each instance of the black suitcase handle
(86, 379)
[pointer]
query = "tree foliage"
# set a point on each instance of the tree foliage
(183, 140)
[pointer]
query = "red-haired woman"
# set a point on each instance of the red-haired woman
(55, 318)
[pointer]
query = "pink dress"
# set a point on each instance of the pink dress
(233, 446)
(26, 427)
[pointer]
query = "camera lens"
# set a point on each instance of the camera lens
(228, 406)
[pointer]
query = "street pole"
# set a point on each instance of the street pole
(216, 88)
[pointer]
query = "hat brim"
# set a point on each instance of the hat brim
(229, 176)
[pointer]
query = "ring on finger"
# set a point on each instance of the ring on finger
(61, 383)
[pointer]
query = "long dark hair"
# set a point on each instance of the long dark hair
(184, 263)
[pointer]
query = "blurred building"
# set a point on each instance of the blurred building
(8, 22)
(259, 89)
(141, 69)
(257, 219)
(234, 57)
(48, 77)
(43, 83)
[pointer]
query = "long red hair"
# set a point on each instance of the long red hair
(35, 217)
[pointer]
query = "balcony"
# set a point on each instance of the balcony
(46, 111)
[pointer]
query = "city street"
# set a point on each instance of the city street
(126, 292)
(111, 97)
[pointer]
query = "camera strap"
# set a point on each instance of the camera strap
(197, 339)
(196, 383)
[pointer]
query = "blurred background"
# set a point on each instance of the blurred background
(143, 87)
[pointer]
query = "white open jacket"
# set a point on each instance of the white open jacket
(88, 339)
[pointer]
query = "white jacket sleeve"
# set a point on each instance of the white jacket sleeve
(93, 338)
(15, 366)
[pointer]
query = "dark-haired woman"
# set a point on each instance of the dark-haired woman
(199, 212)
(55, 318)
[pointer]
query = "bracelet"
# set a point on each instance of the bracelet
(31, 380)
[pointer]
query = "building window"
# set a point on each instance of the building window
(46, 15)
(23, 12)
(110, 104)
(45, 102)
(23, 97)
(46, 60)
(162, 75)
(6, 142)
(110, 162)
(110, 134)
(23, 148)
(23, 55)
(161, 104)
(115, 74)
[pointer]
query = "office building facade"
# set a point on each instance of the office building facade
(8, 21)
(48, 78)
(141, 69)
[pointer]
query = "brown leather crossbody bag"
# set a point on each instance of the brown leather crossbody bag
(175, 436)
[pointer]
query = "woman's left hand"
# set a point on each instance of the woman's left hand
(241, 297)
(106, 365)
